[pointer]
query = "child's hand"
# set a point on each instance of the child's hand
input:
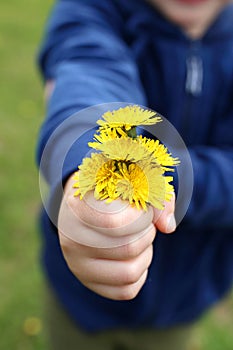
(109, 268)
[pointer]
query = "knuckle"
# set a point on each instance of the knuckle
(79, 270)
(109, 221)
(121, 218)
(128, 292)
(135, 248)
(131, 273)
(64, 242)
(131, 250)
(135, 268)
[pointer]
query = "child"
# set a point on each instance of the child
(175, 57)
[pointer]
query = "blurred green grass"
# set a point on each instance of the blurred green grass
(21, 113)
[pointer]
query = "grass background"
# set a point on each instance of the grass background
(21, 113)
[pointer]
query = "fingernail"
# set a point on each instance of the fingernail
(171, 223)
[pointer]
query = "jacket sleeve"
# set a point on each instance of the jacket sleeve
(84, 53)
(211, 206)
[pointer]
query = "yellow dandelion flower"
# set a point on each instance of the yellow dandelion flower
(132, 185)
(126, 149)
(106, 178)
(160, 152)
(85, 178)
(142, 184)
(105, 135)
(169, 188)
(128, 117)
(160, 189)
(128, 166)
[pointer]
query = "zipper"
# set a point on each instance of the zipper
(193, 89)
(194, 75)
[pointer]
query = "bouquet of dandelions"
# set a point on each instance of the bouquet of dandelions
(127, 166)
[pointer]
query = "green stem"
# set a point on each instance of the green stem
(132, 132)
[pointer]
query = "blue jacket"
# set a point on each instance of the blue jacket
(123, 50)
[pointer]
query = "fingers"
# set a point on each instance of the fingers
(129, 250)
(126, 292)
(116, 273)
(165, 220)
(116, 218)
(70, 225)
(108, 247)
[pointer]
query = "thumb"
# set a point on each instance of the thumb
(164, 220)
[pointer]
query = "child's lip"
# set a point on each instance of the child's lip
(191, 2)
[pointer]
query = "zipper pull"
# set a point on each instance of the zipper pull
(194, 77)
